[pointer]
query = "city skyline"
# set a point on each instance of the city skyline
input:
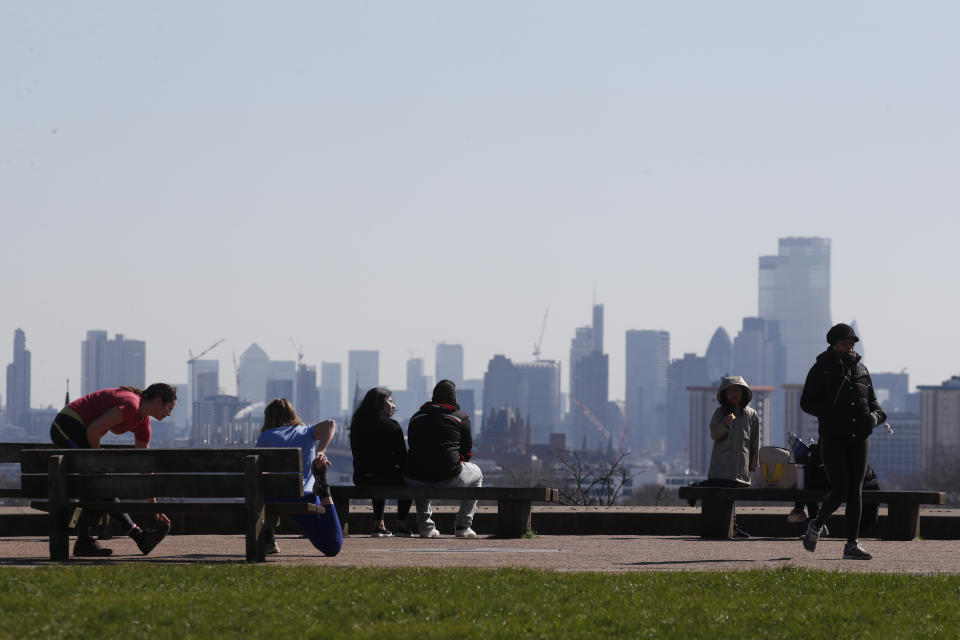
(383, 176)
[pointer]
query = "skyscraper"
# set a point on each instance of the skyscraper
(307, 395)
(111, 363)
(417, 381)
(450, 363)
(204, 376)
(589, 384)
(689, 371)
(531, 389)
(719, 355)
(363, 373)
(794, 288)
(18, 382)
(940, 421)
(252, 374)
(331, 389)
(648, 357)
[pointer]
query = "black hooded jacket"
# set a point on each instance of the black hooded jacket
(439, 439)
(378, 450)
(840, 394)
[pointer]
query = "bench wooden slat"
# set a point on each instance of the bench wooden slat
(170, 485)
(535, 494)
(772, 494)
(190, 508)
(10, 451)
(160, 460)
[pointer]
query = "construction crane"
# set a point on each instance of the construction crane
(536, 345)
(194, 358)
(593, 420)
(299, 349)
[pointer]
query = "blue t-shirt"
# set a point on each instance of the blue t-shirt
(294, 436)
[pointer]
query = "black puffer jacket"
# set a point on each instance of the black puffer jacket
(440, 439)
(840, 394)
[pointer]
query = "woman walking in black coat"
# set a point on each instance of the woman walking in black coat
(839, 392)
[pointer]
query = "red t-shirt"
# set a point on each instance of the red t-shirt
(93, 405)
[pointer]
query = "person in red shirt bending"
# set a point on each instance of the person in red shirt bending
(86, 420)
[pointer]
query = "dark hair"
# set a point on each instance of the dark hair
(373, 406)
(445, 391)
(279, 413)
(162, 390)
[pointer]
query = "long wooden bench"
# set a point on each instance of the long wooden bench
(191, 481)
(513, 503)
(716, 513)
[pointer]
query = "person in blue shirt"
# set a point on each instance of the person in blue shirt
(282, 427)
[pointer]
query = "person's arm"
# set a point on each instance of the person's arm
(323, 434)
(145, 444)
(466, 439)
(811, 398)
(877, 413)
(99, 427)
(719, 425)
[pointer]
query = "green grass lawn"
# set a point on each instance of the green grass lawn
(470, 604)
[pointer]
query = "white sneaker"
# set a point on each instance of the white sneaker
(432, 533)
(466, 533)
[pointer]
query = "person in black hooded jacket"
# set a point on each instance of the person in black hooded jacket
(440, 450)
(839, 392)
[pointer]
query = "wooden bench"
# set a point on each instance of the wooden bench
(64, 480)
(716, 513)
(513, 503)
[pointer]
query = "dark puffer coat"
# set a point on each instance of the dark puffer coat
(839, 392)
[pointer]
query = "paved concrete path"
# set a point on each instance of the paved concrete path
(561, 553)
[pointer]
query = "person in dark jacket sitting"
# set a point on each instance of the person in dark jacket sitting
(839, 392)
(440, 450)
(379, 451)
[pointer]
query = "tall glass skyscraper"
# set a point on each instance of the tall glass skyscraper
(794, 288)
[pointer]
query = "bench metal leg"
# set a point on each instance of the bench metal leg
(513, 518)
(903, 521)
(716, 519)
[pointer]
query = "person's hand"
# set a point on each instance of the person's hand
(162, 517)
(728, 419)
(322, 459)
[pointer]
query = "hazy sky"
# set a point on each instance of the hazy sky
(382, 175)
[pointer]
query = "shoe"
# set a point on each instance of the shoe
(797, 515)
(854, 551)
(150, 538)
(466, 533)
(87, 547)
(381, 532)
(739, 533)
(811, 537)
(320, 487)
(432, 533)
(271, 548)
(401, 531)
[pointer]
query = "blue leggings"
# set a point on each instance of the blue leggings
(323, 530)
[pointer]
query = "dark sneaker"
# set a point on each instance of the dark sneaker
(854, 551)
(87, 547)
(811, 537)
(402, 531)
(320, 487)
(150, 538)
(381, 532)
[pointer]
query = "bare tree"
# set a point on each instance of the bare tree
(591, 483)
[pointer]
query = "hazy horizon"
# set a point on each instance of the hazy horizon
(384, 176)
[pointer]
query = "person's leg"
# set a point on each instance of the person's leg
(857, 453)
(425, 522)
(470, 476)
(323, 530)
(835, 465)
(378, 506)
